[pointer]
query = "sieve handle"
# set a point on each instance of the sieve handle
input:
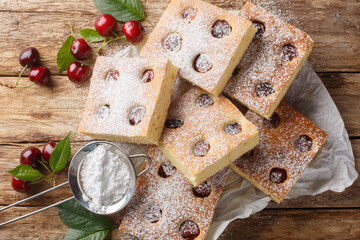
(144, 156)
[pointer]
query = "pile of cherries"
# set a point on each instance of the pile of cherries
(32, 156)
(104, 25)
(30, 57)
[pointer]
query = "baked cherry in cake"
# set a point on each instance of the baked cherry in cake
(166, 169)
(170, 207)
(288, 143)
(203, 190)
(204, 133)
(271, 62)
(204, 41)
(128, 99)
(189, 230)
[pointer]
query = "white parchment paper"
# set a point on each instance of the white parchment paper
(332, 169)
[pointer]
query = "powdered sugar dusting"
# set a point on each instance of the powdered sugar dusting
(204, 124)
(175, 198)
(263, 63)
(197, 39)
(122, 105)
(277, 149)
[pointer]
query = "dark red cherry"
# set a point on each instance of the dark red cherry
(204, 101)
(77, 73)
(304, 143)
(136, 115)
(105, 24)
(278, 175)
(29, 56)
(40, 75)
(289, 52)
(31, 156)
(166, 170)
(134, 31)
(20, 185)
(80, 49)
(201, 148)
(260, 29)
(233, 128)
(221, 29)
(203, 190)
(148, 76)
(189, 230)
(264, 89)
(47, 150)
(152, 214)
(189, 14)
(202, 63)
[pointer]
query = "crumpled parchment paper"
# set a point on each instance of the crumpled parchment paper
(333, 168)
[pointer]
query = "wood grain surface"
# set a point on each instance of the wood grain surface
(33, 116)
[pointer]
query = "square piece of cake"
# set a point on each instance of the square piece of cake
(271, 63)
(204, 133)
(288, 143)
(204, 41)
(167, 206)
(128, 99)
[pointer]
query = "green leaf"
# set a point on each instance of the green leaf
(26, 173)
(73, 215)
(74, 234)
(64, 55)
(122, 10)
(61, 154)
(91, 35)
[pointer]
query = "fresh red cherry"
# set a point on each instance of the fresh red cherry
(77, 73)
(31, 156)
(133, 31)
(105, 24)
(80, 49)
(47, 150)
(29, 56)
(20, 185)
(39, 74)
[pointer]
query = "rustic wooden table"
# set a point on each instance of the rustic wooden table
(30, 117)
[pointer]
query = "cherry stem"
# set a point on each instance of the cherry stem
(17, 86)
(108, 41)
(44, 178)
(71, 29)
(18, 79)
(45, 166)
(149, 22)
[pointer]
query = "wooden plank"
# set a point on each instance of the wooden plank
(268, 224)
(9, 158)
(296, 224)
(333, 24)
(41, 113)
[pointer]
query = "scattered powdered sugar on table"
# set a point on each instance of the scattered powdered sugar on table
(104, 178)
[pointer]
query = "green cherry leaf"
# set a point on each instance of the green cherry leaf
(91, 35)
(61, 154)
(26, 173)
(75, 216)
(64, 55)
(122, 10)
(74, 234)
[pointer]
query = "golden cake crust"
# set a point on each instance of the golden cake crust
(205, 124)
(277, 149)
(175, 197)
(263, 62)
(197, 39)
(119, 97)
